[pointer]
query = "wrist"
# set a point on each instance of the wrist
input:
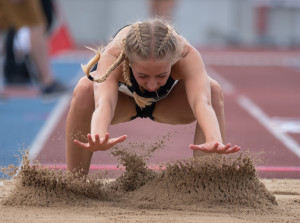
(214, 140)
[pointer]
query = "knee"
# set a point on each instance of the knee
(217, 96)
(83, 93)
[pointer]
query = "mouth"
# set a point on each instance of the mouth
(151, 90)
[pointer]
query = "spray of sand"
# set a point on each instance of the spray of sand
(195, 183)
(210, 180)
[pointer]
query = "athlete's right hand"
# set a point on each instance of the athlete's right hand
(98, 144)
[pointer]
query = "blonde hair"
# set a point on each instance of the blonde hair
(153, 39)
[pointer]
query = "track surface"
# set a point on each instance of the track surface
(262, 108)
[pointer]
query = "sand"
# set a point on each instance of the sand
(208, 189)
(98, 211)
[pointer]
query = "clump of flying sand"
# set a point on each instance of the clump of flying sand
(36, 185)
(193, 184)
(205, 181)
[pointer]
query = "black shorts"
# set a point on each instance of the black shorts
(145, 112)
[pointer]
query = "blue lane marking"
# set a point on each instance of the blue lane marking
(20, 121)
(22, 118)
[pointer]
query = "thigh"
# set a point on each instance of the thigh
(125, 109)
(174, 109)
(84, 98)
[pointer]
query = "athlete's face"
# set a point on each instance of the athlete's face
(151, 74)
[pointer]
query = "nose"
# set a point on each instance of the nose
(152, 85)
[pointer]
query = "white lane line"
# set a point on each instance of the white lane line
(43, 135)
(226, 86)
(266, 121)
(257, 113)
(287, 124)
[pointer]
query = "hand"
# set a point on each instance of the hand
(215, 147)
(100, 144)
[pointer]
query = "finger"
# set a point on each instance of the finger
(193, 147)
(236, 149)
(90, 139)
(97, 139)
(233, 150)
(225, 148)
(122, 138)
(203, 149)
(118, 140)
(196, 147)
(83, 145)
(114, 141)
(105, 139)
(216, 146)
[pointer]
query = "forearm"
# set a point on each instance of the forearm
(208, 122)
(101, 119)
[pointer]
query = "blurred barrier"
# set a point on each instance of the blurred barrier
(60, 40)
(213, 23)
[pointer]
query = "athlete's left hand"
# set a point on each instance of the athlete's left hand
(215, 147)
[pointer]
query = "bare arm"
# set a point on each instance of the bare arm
(106, 97)
(198, 92)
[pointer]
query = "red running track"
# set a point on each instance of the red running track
(262, 109)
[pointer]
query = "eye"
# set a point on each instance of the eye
(142, 76)
(162, 76)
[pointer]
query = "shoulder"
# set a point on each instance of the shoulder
(186, 48)
(189, 57)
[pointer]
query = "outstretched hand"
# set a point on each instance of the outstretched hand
(215, 147)
(98, 144)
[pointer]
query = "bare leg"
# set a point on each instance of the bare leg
(40, 53)
(78, 126)
(174, 109)
(78, 123)
(218, 106)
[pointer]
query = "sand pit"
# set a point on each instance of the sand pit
(209, 189)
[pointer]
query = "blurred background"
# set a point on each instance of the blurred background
(251, 47)
(214, 23)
